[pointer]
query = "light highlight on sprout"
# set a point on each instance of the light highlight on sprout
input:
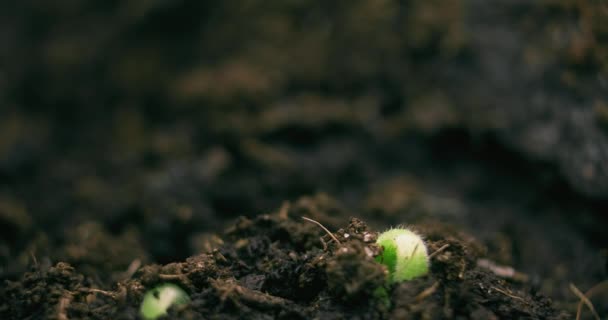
(404, 254)
(159, 299)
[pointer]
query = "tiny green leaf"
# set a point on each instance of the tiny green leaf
(404, 254)
(160, 298)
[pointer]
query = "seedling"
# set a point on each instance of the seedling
(159, 299)
(404, 254)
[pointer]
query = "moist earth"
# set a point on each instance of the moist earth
(278, 266)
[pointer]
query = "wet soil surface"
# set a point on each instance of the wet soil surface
(145, 142)
(276, 266)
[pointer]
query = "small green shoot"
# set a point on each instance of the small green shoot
(404, 254)
(159, 299)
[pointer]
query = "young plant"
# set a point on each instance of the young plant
(159, 299)
(404, 254)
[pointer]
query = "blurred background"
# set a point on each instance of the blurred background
(136, 129)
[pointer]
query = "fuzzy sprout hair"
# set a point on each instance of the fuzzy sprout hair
(160, 298)
(404, 254)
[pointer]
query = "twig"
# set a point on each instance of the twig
(34, 260)
(323, 243)
(438, 251)
(103, 292)
(584, 300)
(250, 297)
(427, 292)
(509, 294)
(323, 227)
(409, 259)
(284, 210)
(502, 271)
(414, 251)
(63, 304)
(591, 292)
(172, 277)
(133, 266)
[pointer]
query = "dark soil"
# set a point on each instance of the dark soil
(276, 266)
(144, 142)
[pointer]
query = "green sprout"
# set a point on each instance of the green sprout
(404, 254)
(160, 298)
